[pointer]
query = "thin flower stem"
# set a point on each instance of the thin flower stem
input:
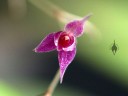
(53, 85)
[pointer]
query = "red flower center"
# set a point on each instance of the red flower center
(65, 40)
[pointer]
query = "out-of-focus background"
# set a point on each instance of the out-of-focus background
(95, 71)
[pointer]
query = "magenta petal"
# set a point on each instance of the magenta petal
(65, 58)
(77, 27)
(47, 44)
(56, 37)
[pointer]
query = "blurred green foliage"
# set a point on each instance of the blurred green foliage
(109, 16)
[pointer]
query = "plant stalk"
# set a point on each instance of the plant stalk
(53, 84)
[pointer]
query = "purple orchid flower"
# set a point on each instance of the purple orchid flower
(64, 42)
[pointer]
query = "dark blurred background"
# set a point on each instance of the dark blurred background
(95, 71)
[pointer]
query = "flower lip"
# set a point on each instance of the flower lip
(65, 40)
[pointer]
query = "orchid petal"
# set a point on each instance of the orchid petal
(65, 58)
(77, 27)
(47, 44)
(56, 37)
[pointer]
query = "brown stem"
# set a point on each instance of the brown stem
(53, 85)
